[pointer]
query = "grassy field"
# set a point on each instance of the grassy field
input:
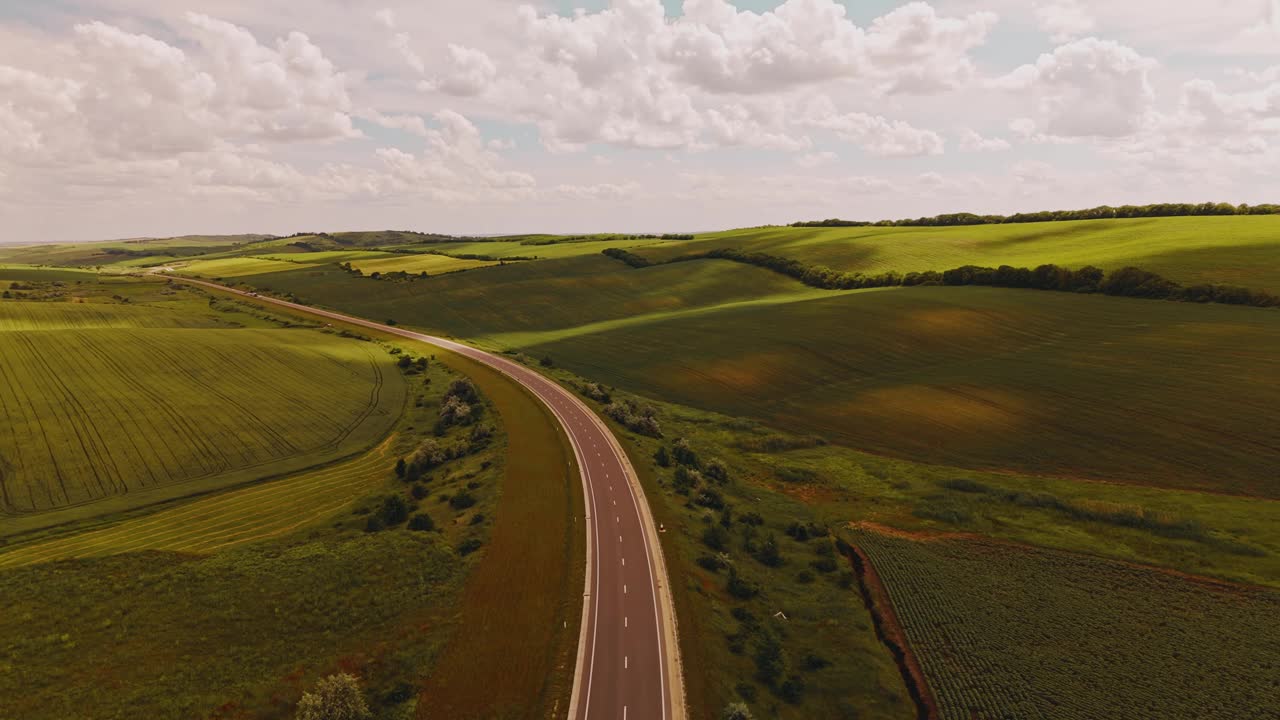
(490, 306)
(1006, 631)
(102, 439)
(1232, 250)
(1043, 383)
(414, 264)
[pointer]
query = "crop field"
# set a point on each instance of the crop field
(553, 296)
(234, 266)
(101, 438)
(1005, 631)
(414, 264)
(1243, 250)
(225, 520)
(1169, 394)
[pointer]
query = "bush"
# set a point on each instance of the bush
(422, 522)
(394, 511)
(462, 500)
(662, 457)
(965, 485)
(468, 546)
(419, 491)
(791, 689)
(712, 563)
(751, 518)
(374, 524)
(738, 711)
(336, 697)
(768, 553)
(717, 472)
(715, 538)
(684, 454)
(740, 587)
(709, 498)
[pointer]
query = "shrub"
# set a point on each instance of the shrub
(401, 468)
(717, 472)
(394, 510)
(596, 392)
(824, 565)
(965, 485)
(737, 711)
(336, 697)
(709, 498)
(684, 454)
(468, 546)
(751, 519)
(662, 457)
(791, 689)
(713, 563)
(739, 587)
(462, 500)
(373, 524)
(422, 522)
(715, 537)
(768, 553)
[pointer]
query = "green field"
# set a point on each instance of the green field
(414, 264)
(1241, 250)
(1004, 631)
(1044, 383)
(169, 398)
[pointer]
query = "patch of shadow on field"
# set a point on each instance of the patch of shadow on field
(1071, 230)
(957, 411)
(1251, 265)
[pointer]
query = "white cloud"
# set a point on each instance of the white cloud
(1087, 88)
(971, 141)
(875, 134)
(456, 165)
(468, 72)
(1064, 20)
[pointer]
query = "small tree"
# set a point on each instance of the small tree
(737, 711)
(336, 697)
(400, 468)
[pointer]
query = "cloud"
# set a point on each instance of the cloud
(1087, 88)
(456, 165)
(468, 72)
(971, 141)
(875, 134)
(1064, 20)
(630, 76)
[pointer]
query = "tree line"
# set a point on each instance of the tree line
(1102, 212)
(1123, 282)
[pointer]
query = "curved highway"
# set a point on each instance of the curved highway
(628, 658)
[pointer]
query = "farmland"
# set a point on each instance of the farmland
(1241, 250)
(1005, 631)
(103, 440)
(983, 378)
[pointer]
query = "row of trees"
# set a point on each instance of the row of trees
(1124, 282)
(1102, 212)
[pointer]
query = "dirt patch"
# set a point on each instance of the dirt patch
(876, 598)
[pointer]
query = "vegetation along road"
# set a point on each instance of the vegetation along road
(628, 656)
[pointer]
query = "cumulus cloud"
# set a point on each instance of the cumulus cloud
(1087, 88)
(877, 135)
(629, 75)
(971, 141)
(1064, 20)
(467, 72)
(456, 165)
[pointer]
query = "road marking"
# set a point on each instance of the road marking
(625, 622)
(626, 662)
(624, 588)
(624, 562)
(619, 538)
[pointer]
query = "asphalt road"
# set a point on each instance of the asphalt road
(628, 657)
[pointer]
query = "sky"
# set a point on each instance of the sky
(132, 118)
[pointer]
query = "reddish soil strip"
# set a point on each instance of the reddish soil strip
(876, 597)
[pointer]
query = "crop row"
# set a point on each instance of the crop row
(1009, 632)
(91, 414)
